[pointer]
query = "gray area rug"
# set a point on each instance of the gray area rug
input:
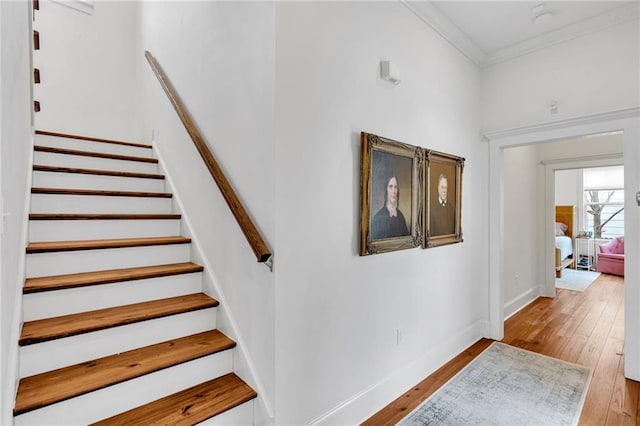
(505, 385)
(576, 280)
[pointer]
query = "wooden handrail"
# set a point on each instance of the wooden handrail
(250, 231)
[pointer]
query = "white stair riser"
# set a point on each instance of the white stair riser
(59, 230)
(58, 203)
(242, 415)
(69, 262)
(85, 162)
(93, 146)
(124, 396)
(85, 181)
(70, 301)
(46, 356)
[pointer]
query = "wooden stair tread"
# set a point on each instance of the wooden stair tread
(60, 282)
(91, 138)
(103, 216)
(189, 406)
(102, 192)
(43, 168)
(110, 156)
(85, 322)
(54, 246)
(58, 385)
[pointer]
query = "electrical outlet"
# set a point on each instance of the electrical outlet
(398, 336)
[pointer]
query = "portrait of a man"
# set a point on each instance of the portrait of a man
(444, 183)
(443, 210)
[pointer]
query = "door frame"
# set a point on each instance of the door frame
(625, 120)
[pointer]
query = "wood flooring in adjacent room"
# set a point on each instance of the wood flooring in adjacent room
(584, 328)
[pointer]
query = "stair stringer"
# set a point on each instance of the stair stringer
(13, 362)
(243, 364)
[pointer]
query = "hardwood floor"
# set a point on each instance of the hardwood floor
(584, 328)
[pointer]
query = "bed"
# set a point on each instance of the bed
(564, 238)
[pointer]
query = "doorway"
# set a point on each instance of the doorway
(625, 122)
(529, 173)
(595, 195)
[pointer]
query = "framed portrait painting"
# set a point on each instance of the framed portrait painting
(390, 195)
(443, 199)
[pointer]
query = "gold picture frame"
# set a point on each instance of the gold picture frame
(389, 169)
(443, 199)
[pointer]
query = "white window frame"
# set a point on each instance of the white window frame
(585, 215)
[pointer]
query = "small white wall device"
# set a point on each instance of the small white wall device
(389, 72)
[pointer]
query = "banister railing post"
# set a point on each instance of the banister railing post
(251, 233)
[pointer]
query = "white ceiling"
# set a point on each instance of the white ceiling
(489, 32)
(496, 25)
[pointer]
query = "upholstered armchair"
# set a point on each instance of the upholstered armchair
(611, 257)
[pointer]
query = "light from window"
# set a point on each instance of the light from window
(603, 202)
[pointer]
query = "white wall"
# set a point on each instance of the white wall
(521, 200)
(582, 149)
(220, 58)
(16, 145)
(566, 187)
(336, 313)
(88, 77)
(587, 75)
(337, 357)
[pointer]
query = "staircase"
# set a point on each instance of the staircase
(117, 330)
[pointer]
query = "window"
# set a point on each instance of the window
(603, 201)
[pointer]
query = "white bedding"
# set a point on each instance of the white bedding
(565, 245)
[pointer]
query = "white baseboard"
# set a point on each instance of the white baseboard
(13, 362)
(519, 302)
(367, 402)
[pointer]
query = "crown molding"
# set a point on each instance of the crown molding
(84, 6)
(431, 16)
(435, 19)
(620, 114)
(614, 156)
(617, 16)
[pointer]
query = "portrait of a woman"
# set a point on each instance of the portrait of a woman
(389, 220)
